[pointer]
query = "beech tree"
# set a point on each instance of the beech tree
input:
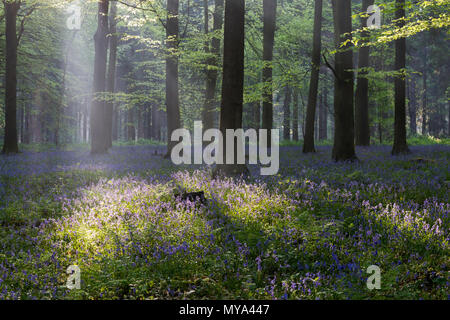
(362, 131)
(269, 22)
(308, 145)
(208, 114)
(172, 94)
(233, 77)
(287, 113)
(295, 115)
(10, 144)
(400, 146)
(344, 137)
(111, 79)
(99, 139)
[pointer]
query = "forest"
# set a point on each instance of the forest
(224, 149)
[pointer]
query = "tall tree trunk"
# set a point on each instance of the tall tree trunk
(131, 129)
(172, 98)
(148, 122)
(209, 112)
(362, 130)
(233, 77)
(316, 123)
(140, 122)
(287, 114)
(269, 18)
(26, 138)
(115, 123)
(344, 136)
(425, 93)
(400, 145)
(99, 142)
(295, 115)
(412, 106)
(308, 144)
(323, 115)
(85, 123)
(21, 117)
(257, 115)
(156, 123)
(10, 144)
(111, 79)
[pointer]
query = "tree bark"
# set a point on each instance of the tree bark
(233, 78)
(257, 115)
(140, 122)
(287, 114)
(323, 115)
(269, 19)
(344, 137)
(362, 130)
(425, 93)
(209, 113)
(412, 106)
(295, 115)
(156, 123)
(10, 143)
(308, 145)
(99, 143)
(27, 133)
(400, 146)
(111, 80)
(172, 94)
(131, 129)
(85, 123)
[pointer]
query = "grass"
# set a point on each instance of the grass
(309, 232)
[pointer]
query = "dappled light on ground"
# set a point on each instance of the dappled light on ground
(309, 232)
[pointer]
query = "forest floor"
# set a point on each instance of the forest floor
(309, 232)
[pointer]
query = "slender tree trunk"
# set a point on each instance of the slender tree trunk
(400, 145)
(26, 138)
(148, 123)
(156, 124)
(21, 124)
(316, 123)
(209, 112)
(287, 114)
(295, 116)
(99, 143)
(308, 145)
(269, 18)
(115, 120)
(362, 130)
(131, 129)
(425, 93)
(257, 115)
(233, 77)
(303, 109)
(111, 79)
(10, 143)
(323, 116)
(172, 98)
(85, 122)
(344, 136)
(412, 106)
(140, 122)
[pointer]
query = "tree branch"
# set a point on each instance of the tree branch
(22, 23)
(330, 67)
